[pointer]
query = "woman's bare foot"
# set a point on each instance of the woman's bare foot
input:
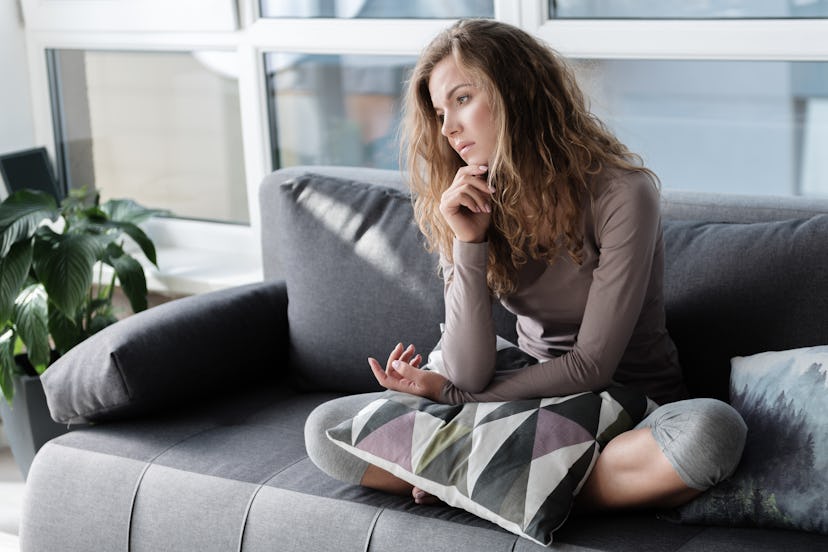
(422, 497)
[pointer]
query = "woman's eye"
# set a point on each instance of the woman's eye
(462, 99)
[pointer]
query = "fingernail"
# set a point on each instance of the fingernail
(483, 167)
(395, 364)
(418, 494)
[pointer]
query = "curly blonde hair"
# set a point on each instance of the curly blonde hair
(548, 147)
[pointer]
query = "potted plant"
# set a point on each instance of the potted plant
(53, 294)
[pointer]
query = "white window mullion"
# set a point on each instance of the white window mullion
(131, 15)
(508, 11)
(41, 101)
(249, 12)
(770, 39)
(345, 36)
(255, 129)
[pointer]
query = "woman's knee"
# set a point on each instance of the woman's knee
(327, 456)
(702, 438)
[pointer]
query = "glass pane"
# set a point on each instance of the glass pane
(162, 128)
(409, 9)
(684, 9)
(733, 126)
(335, 110)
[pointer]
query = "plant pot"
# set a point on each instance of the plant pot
(27, 423)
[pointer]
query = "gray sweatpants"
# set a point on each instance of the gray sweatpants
(702, 438)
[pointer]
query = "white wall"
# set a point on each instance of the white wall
(16, 122)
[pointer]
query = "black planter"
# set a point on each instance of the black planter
(28, 424)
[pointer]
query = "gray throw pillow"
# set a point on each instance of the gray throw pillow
(358, 276)
(740, 289)
(781, 480)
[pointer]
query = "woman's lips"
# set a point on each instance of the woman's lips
(464, 147)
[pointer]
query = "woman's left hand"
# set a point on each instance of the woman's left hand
(402, 373)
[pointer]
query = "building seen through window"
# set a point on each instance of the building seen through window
(162, 128)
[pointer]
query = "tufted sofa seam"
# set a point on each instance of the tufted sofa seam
(255, 493)
(371, 528)
(149, 464)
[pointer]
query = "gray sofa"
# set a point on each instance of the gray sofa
(189, 417)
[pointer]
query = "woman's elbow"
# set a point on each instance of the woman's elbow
(601, 382)
(474, 379)
(592, 376)
(471, 384)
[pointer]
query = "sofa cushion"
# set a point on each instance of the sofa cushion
(518, 464)
(740, 289)
(117, 485)
(781, 480)
(358, 276)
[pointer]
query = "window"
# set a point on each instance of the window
(716, 95)
(740, 126)
(378, 9)
(682, 9)
(162, 128)
(335, 109)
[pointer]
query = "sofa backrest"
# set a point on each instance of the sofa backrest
(743, 275)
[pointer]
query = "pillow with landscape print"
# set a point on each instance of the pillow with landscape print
(518, 464)
(781, 481)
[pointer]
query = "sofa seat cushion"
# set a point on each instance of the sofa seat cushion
(235, 476)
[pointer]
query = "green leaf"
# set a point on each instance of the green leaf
(65, 332)
(64, 264)
(100, 322)
(127, 210)
(7, 364)
(14, 268)
(20, 215)
(95, 214)
(139, 236)
(31, 316)
(131, 275)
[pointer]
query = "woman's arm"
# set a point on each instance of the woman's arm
(468, 341)
(627, 227)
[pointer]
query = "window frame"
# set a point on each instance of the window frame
(236, 25)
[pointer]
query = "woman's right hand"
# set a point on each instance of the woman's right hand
(466, 205)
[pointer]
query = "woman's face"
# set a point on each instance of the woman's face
(464, 111)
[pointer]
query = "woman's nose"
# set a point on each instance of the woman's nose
(449, 126)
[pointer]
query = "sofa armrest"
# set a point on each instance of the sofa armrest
(170, 354)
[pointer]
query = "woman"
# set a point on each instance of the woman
(530, 199)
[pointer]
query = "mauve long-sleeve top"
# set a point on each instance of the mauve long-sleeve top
(589, 325)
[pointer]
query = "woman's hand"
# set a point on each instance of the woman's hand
(402, 373)
(466, 205)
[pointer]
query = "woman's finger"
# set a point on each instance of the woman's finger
(382, 378)
(473, 176)
(395, 355)
(408, 353)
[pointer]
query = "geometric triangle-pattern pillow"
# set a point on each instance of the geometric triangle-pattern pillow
(518, 464)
